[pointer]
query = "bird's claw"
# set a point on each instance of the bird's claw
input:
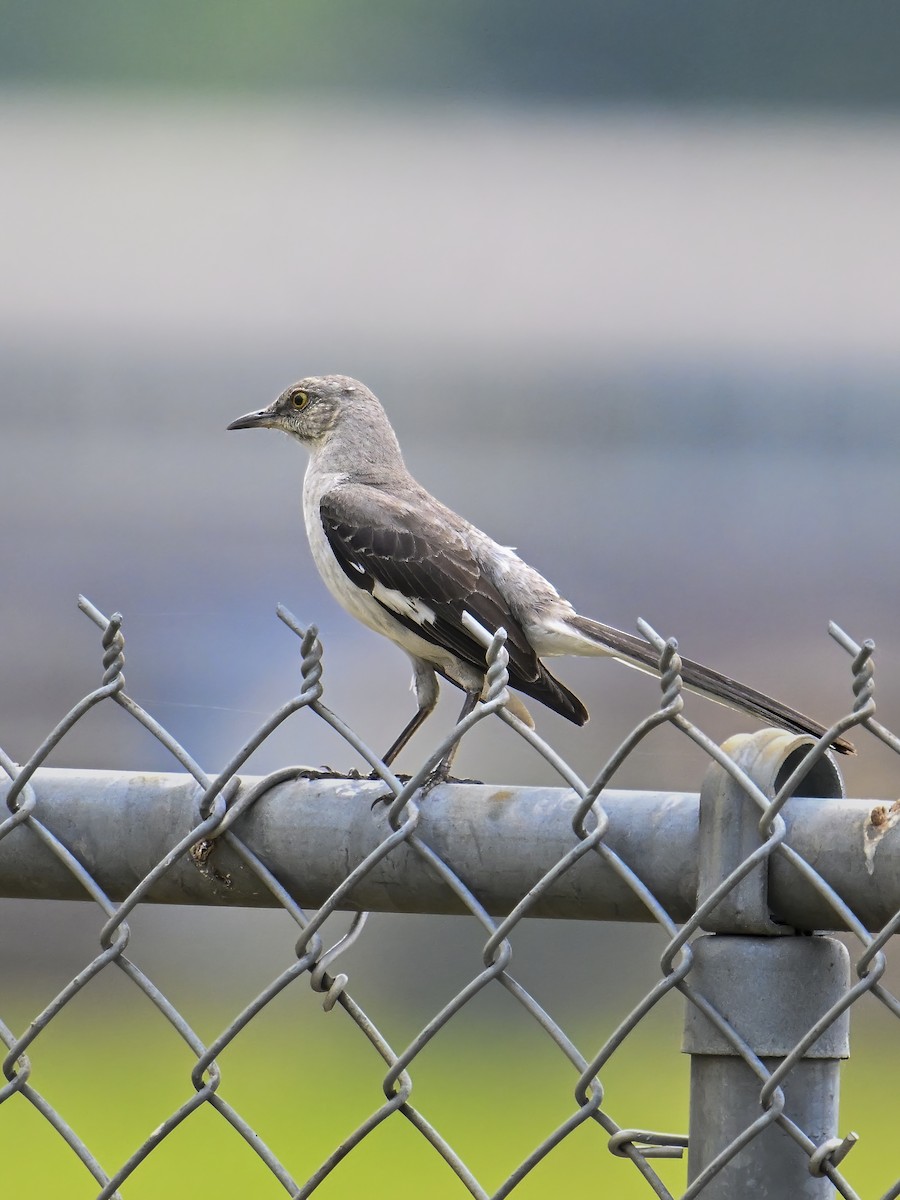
(325, 773)
(429, 783)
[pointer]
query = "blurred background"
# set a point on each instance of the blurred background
(625, 277)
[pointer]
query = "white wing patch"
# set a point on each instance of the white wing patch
(406, 606)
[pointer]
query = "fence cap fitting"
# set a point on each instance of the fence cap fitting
(730, 819)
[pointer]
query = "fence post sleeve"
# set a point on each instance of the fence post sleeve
(771, 991)
(771, 986)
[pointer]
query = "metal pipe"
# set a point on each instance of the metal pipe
(500, 840)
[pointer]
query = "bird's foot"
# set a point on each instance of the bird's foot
(441, 774)
(325, 772)
(436, 776)
(374, 775)
(385, 798)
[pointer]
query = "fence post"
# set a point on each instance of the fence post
(771, 984)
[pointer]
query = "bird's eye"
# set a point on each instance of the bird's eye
(300, 399)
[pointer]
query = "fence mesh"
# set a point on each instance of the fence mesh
(222, 803)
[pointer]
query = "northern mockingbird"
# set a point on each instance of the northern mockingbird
(412, 569)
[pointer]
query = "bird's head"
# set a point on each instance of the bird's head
(309, 409)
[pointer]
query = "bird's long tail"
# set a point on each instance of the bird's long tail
(638, 653)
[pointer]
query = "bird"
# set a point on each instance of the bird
(410, 568)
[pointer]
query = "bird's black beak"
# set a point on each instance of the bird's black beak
(263, 419)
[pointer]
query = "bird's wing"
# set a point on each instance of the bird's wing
(415, 562)
(420, 570)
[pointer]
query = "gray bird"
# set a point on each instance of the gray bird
(410, 568)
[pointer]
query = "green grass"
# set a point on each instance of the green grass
(304, 1080)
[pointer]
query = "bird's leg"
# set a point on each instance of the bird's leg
(441, 772)
(420, 717)
(427, 688)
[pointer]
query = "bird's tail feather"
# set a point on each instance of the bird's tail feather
(638, 653)
(548, 689)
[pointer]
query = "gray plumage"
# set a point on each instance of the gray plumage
(408, 567)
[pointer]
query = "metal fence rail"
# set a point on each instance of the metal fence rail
(770, 850)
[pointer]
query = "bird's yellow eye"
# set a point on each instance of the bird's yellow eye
(300, 399)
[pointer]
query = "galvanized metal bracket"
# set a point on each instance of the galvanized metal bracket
(734, 825)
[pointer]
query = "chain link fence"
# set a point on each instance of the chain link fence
(735, 878)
